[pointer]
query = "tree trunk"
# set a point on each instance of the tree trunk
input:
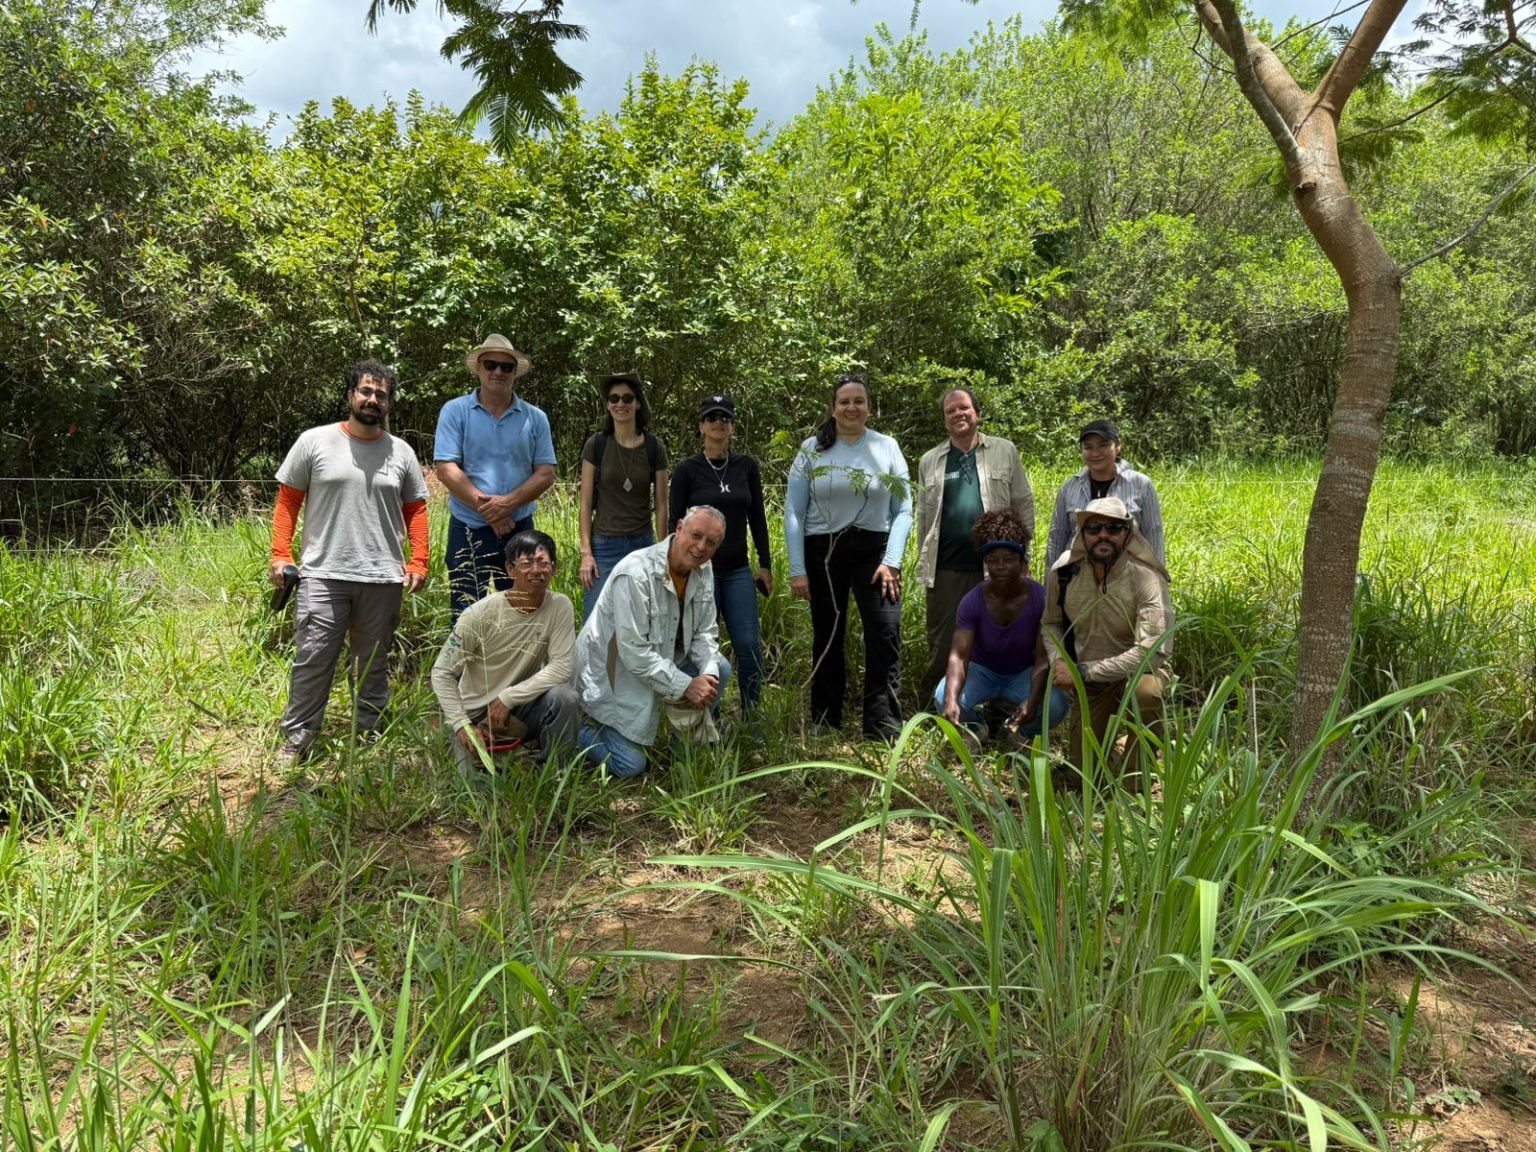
(1304, 126)
(1330, 559)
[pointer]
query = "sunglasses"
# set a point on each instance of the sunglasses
(499, 365)
(1103, 528)
(621, 398)
(719, 417)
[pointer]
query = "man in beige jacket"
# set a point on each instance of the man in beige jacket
(968, 474)
(1106, 610)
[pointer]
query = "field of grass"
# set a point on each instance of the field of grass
(780, 943)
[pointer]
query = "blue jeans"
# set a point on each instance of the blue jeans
(982, 685)
(608, 551)
(476, 558)
(625, 757)
(736, 602)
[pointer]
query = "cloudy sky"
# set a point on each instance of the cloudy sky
(784, 48)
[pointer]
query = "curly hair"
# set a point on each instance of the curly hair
(1004, 524)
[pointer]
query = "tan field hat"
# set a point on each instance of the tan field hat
(1105, 508)
(496, 342)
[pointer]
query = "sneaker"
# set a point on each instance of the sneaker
(291, 752)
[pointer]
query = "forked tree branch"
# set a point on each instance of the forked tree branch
(1346, 72)
(1493, 206)
(1234, 40)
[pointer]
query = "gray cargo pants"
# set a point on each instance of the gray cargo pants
(327, 613)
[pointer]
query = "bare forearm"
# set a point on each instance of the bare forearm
(457, 481)
(531, 489)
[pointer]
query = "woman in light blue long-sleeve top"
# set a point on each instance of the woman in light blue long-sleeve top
(847, 515)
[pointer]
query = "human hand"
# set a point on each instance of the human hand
(1061, 674)
(800, 587)
(275, 573)
(952, 711)
(588, 570)
(414, 580)
(502, 527)
(702, 691)
(1025, 714)
(888, 580)
(493, 507)
(764, 576)
(498, 714)
(472, 732)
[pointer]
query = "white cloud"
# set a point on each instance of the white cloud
(783, 49)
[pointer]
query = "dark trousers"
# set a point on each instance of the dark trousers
(836, 565)
(940, 604)
(1103, 702)
(476, 559)
(553, 718)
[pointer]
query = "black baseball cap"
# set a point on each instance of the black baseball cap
(1104, 428)
(719, 402)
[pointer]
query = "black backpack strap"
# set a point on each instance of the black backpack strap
(599, 445)
(1063, 578)
(652, 456)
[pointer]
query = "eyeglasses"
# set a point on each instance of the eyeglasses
(498, 365)
(621, 398)
(535, 561)
(718, 418)
(1103, 528)
(373, 393)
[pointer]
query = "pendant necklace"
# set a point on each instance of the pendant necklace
(720, 471)
(628, 484)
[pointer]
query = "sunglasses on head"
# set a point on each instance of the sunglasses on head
(499, 365)
(1103, 528)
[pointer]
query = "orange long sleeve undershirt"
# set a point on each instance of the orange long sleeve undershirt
(415, 514)
(285, 517)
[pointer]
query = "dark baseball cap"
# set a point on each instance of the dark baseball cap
(719, 402)
(1104, 428)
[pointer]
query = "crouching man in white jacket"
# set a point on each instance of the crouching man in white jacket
(651, 640)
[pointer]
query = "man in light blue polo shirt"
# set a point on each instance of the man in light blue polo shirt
(495, 456)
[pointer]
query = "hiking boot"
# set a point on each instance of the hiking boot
(291, 753)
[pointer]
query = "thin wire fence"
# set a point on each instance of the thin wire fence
(87, 513)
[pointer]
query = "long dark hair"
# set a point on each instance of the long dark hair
(826, 431)
(642, 409)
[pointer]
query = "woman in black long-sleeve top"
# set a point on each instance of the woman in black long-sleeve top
(733, 483)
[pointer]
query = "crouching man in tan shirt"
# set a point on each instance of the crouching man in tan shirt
(1106, 610)
(505, 671)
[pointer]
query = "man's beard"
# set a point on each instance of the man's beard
(369, 416)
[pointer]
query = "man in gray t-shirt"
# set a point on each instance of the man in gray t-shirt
(364, 498)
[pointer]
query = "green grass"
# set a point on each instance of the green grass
(773, 944)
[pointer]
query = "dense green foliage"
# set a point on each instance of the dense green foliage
(1032, 216)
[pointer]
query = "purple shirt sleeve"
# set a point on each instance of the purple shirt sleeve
(969, 616)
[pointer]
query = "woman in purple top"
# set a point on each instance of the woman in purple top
(998, 652)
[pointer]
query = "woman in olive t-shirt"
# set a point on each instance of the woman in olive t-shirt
(623, 494)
